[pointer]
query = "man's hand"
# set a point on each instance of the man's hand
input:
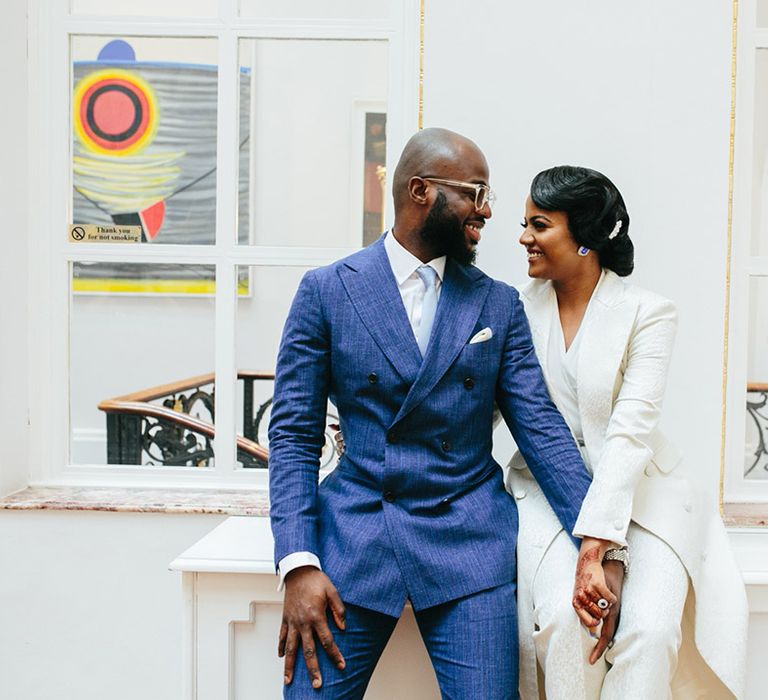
(592, 598)
(308, 594)
(614, 578)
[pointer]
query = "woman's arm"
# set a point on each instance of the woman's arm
(607, 508)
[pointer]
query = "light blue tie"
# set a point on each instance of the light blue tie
(428, 276)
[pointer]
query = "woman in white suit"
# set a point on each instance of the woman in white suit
(604, 346)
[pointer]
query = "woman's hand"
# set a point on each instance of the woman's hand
(592, 599)
(614, 577)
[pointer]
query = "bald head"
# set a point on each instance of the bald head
(433, 152)
(435, 188)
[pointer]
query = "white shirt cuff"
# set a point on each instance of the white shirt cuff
(294, 561)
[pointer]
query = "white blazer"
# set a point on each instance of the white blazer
(626, 345)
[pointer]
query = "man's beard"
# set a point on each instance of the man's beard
(443, 231)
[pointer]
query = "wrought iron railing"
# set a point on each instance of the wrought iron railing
(756, 465)
(158, 426)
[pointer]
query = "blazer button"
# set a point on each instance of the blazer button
(445, 445)
(520, 494)
(469, 383)
(618, 524)
(687, 507)
(391, 437)
(389, 497)
(372, 378)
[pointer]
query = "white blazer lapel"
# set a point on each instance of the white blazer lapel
(604, 340)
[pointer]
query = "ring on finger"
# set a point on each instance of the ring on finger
(603, 604)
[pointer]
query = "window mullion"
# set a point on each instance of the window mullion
(226, 232)
(52, 274)
(131, 26)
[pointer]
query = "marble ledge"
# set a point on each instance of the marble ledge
(745, 514)
(139, 500)
(227, 502)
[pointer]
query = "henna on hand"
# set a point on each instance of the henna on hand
(590, 585)
(584, 577)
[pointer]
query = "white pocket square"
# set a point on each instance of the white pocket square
(482, 336)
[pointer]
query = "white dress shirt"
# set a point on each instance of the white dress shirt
(562, 366)
(404, 265)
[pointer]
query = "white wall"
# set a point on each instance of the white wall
(14, 362)
(638, 91)
(89, 609)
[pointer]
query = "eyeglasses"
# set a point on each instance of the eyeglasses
(483, 194)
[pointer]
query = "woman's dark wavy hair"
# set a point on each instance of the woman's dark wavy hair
(593, 206)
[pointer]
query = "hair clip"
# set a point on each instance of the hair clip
(616, 230)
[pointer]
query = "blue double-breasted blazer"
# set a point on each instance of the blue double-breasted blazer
(416, 507)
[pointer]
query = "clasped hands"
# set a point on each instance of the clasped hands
(598, 581)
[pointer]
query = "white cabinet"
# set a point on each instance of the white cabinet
(232, 620)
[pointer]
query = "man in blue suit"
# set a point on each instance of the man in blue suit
(416, 508)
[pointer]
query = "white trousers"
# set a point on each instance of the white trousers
(644, 655)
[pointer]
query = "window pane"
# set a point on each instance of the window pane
(144, 136)
(756, 453)
(137, 353)
(759, 244)
(313, 141)
(328, 9)
(762, 13)
(264, 298)
(150, 8)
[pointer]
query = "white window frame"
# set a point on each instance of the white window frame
(743, 265)
(51, 27)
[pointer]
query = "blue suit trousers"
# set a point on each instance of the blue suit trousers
(472, 642)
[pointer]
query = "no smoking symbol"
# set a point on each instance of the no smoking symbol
(78, 233)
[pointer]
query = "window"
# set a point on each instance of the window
(746, 447)
(194, 159)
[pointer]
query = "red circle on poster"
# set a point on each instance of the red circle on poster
(115, 112)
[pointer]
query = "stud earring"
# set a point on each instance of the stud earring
(583, 251)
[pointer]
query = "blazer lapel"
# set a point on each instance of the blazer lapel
(603, 344)
(373, 291)
(462, 296)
